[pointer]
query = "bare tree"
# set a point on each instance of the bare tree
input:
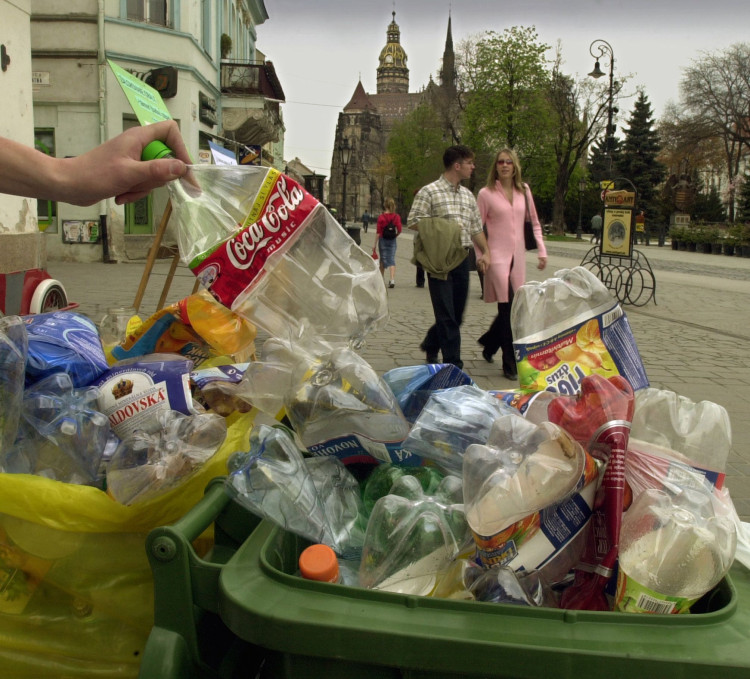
(715, 91)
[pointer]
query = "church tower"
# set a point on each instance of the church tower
(448, 71)
(393, 75)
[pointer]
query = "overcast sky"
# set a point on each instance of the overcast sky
(321, 48)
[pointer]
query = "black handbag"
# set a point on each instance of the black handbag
(528, 229)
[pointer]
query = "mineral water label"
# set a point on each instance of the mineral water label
(560, 357)
(271, 228)
(356, 448)
(633, 597)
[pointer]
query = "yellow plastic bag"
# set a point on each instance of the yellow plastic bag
(76, 591)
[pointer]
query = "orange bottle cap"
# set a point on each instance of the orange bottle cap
(318, 562)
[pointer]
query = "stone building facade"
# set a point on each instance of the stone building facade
(367, 120)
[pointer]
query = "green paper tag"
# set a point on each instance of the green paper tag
(145, 101)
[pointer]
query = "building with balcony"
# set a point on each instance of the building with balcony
(202, 58)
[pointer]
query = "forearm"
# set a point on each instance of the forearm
(481, 243)
(24, 171)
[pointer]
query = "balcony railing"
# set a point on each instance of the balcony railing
(249, 79)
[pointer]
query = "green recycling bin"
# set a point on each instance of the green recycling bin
(260, 620)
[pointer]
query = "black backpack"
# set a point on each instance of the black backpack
(389, 230)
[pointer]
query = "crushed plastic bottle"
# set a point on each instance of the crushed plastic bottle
(503, 585)
(267, 249)
(320, 502)
(14, 348)
(334, 400)
(452, 420)
(70, 419)
(413, 384)
(673, 438)
(528, 495)
(412, 537)
(570, 326)
(146, 465)
(673, 549)
(319, 562)
(380, 481)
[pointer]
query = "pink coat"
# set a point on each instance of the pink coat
(504, 224)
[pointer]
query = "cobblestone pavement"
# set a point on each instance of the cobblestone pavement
(695, 340)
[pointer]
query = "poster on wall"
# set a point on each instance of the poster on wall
(80, 231)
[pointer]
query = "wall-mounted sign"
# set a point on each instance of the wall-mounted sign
(251, 155)
(40, 78)
(221, 155)
(80, 231)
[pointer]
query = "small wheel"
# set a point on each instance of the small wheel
(49, 296)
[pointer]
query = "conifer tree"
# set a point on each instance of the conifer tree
(638, 160)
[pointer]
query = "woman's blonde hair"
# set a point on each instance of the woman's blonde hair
(389, 205)
(493, 175)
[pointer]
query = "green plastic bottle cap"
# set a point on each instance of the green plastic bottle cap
(155, 150)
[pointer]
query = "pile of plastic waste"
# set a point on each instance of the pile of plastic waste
(584, 488)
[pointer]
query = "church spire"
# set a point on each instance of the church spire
(448, 72)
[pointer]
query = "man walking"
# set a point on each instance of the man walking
(596, 228)
(446, 199)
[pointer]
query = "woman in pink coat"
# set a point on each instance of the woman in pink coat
(502, 205)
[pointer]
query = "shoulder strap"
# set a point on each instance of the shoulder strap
(526, 201)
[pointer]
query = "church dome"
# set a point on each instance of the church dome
(393, 75)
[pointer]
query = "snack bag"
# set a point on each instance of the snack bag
(570, 326)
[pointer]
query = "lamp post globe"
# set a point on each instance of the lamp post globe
(598, 49)
(345, 151)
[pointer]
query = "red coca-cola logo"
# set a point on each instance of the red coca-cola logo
(279, 211)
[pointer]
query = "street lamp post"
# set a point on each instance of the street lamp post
(581, 191)
(603, 48)
(346, 154)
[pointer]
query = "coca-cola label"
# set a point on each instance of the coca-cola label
(273, 224)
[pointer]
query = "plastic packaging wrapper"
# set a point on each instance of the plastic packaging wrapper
(195, 327)
(413, 384)
(667, 426)
(674, 549)
(412, 537)
(529, 494)
(321, 502)
(334, 400)
(14, 347)
(147, 465)
(135, 391)
(68, 418)
(216, 388)
(452, 420)
(600, 419)
(503, 585)
(267, 249)
(570, 326)
(64, 341)
(77, 597)
(381, 480)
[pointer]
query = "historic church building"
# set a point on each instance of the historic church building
(365, 124)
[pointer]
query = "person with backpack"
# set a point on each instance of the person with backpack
(388, 228)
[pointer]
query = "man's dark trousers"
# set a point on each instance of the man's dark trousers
(448, 303)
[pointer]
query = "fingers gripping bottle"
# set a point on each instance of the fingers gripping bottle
(265, 247)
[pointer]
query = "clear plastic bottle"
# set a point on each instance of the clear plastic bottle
(673, 549)
(69, 418)
(267, 249)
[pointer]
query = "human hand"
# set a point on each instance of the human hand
(115, 168)
(542, 263)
